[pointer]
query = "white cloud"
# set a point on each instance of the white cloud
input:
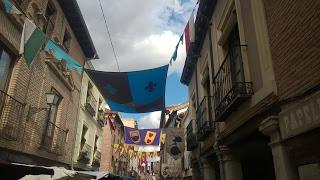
(150, 121)
(144, 32)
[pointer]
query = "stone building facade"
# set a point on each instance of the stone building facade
(29, 134)
(92, 117)
(253, 79)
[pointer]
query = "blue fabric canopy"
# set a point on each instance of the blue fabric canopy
(132, 92)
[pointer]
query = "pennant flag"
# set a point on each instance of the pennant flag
(175, 53)
(142, 137)
(32, 39)
(175, 142)
(10, 8)
(163, 137)
(189, 32)
(115, 147)
(132, 92)
(60, 54)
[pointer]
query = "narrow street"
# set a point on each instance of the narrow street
(159, 89)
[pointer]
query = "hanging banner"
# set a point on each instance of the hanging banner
(143, 137)
(189, 32)
(163, 137)
(132, 92)
(10, 8)
(60, 54)
(175, 142)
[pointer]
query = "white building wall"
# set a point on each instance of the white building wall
(88, 120)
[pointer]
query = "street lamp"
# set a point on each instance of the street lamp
(52, 98)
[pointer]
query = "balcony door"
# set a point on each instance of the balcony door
(235, 55)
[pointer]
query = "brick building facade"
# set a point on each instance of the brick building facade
(253, 79)
(112, 160)
(28, 134)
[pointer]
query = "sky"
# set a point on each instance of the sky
(144, 35)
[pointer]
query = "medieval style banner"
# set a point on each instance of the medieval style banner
(175, 142)
(132, 92)
(143, 137)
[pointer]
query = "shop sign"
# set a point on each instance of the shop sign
(300, 117)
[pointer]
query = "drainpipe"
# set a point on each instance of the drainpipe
(220, 160)
(217, 150)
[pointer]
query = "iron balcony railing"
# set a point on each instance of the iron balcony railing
(98, 155)
(191, 138)
(101, 117)
(11, 117)
(87, 148)
(91, 104)
(204, 118)
(230, 88)
(54, 139)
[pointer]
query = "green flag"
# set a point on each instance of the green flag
(175, 53)
(31, 41)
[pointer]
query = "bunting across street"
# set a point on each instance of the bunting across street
(143, 137)
(132, 92)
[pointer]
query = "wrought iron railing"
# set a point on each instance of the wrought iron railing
(85, 153)
(11, 116)
(91, 104)
(87, 148)
(54, 138)
(204, 118)
(98, 155)
(191, 138)
(230, 87)
(101, 117)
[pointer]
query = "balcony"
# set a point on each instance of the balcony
(54, 139)
(204, 118)
(191, 138)
(96, 159)
(11, 117)
(101, 117)
(230, 88)
(91, 104)
(84, 155)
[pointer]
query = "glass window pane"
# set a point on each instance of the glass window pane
(5, 61)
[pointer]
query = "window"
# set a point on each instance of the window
(54, 108)
(66, 41)
(83, 136)
(91, 102)
(50, 16)
(234, 50)
(5, 68)
(193, 101)
(95, 145)
(19, 2)
(230, 87)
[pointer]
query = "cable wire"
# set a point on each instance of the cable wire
(107, 27)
